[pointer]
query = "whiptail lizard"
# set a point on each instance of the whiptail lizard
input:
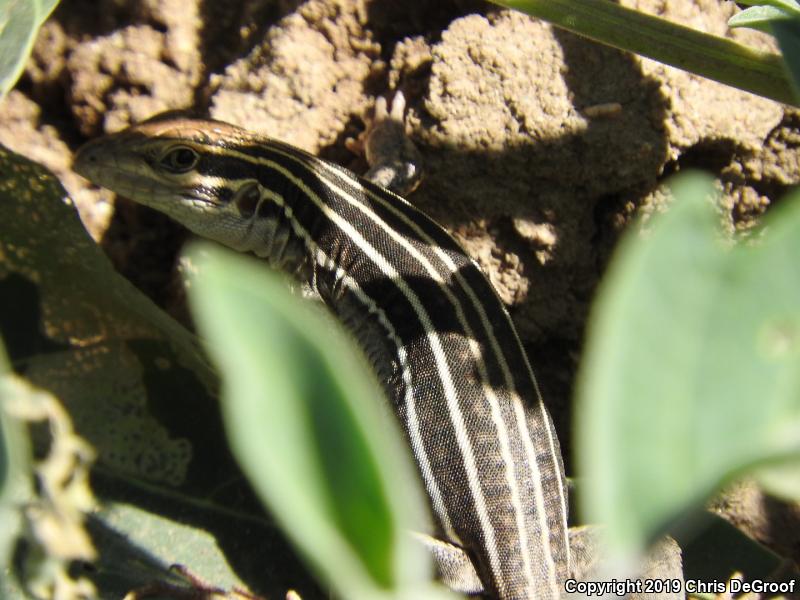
(430, 323)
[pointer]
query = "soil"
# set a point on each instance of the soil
(539, 146)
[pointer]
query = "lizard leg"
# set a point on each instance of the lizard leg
(453, 565)
(395, 163)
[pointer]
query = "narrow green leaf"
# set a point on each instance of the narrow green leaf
(19, 23)
(306, 422)
(691, 369)
(710, 56)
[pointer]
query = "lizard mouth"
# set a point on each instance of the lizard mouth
(88, 162)
(129, 175)
(107, 168)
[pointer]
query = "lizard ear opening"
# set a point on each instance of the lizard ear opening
(247, 198)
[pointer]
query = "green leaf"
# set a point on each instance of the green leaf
(16, 474)
(68, 293)
(758, 17)
(703, 560)
(65, 311)
(780, 18)
(138, 545)
(305, 418)
(19, 23)
(691, 369)
(788, 35)
(53, 510)
(781, 479)
(707, 55)
(136, 385)
(787, 6)
(46, 7)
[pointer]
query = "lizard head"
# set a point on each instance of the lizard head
(196, 171)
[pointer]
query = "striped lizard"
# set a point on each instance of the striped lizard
(430, 323)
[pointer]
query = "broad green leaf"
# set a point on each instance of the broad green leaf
(136, 385)
(139, 547)
(691, 369)
(65, 311)
(19, 23)
(46, 7)
(307, 423)
(721, 550)
(782, 480)
(788, 35)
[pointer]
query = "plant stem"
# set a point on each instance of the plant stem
(707, 55)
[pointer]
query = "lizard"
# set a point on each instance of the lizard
(429, 321)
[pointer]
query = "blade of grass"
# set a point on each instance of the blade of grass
(710, 56)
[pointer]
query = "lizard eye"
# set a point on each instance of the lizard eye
(179, 160)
